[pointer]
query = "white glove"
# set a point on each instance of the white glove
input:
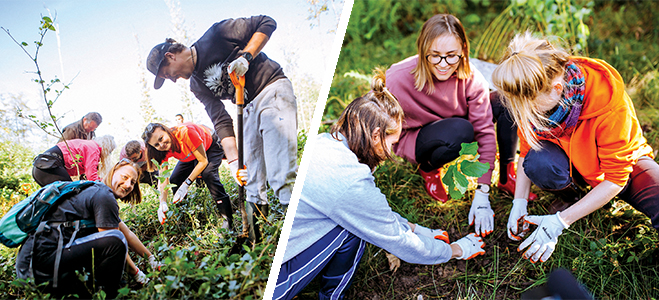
(161, 212)
(432, 233)
(140, 277)
(155, 264)
(239, 66)
(182, 191)
(481, 214)
(516, 220)
(239, 175)
(543, 240)
(471, 245)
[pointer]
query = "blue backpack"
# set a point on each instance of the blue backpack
(25, 216)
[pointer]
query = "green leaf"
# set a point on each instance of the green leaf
(469, 149)
(24, 43)
(47, 19)
(461, 182)
(474, 168)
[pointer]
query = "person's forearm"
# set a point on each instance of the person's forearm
(230, 148)
(162, 188)
(132, 268)
(256, 43)
(596, 198)
(134, 242)
(523, 184)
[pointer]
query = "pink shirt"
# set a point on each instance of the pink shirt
(87, 154)
(468, 98)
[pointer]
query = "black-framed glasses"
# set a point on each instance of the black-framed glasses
(436, 59)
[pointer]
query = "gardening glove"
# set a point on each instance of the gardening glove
(239, 175)
(543, 240)
(155, 264)
(161, 212)
(517, 228)
(471, 245)
(182, 191)
(432, 233)
(481, 214)
(239, 66)
(140, 277)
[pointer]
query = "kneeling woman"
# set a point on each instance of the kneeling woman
(100, 250)
(197, 150)
(341, 209)
(577, 124)
(57, 163)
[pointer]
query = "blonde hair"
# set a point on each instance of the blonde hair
(135, 196)
(107, 145)
(526, 71)
(377, 109)
(435, 27)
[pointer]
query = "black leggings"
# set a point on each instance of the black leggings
(440, 142)
(210, 176)
(48, 176)
(103, 252)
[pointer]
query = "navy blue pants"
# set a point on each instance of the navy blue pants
(335, 257)
(440, 142)
(549, 169)
(211, 177)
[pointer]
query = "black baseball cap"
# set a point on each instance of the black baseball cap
(154, 61)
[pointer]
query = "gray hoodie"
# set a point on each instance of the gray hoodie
(338, 190)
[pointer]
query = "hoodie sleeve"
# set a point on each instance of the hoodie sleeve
(617, 144)
(480, 116)
(365, 212)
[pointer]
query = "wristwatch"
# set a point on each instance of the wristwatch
(248, 56)
(484, 188)
(188, 181)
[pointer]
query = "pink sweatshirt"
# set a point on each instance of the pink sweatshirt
(469, 98)
(89, 153)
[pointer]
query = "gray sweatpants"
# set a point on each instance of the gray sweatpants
(270, 123)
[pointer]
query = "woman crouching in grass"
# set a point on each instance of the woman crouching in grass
(577, 125)
(341, 209)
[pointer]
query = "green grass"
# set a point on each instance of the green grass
(613, 252)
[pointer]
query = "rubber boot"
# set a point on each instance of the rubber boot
(511, 180)
(565, 198)
(434, 186)
(255, 211)
(227, 217)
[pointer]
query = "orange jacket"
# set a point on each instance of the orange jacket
(607, 140)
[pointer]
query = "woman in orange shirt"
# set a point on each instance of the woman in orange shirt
(577, 125)
(198, 152)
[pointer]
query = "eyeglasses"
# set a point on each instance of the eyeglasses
(451, 59)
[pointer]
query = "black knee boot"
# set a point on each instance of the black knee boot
(566, 197)
(255, 211)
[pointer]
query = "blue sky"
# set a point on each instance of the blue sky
(98, 44)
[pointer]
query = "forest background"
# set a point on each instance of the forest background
(614, 251)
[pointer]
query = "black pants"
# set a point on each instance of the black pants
(102, 254)
(210, 176)
(440, 142)
(44, 177)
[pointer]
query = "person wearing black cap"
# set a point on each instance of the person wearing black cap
(270, 117)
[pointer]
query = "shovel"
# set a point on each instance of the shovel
(239, 83)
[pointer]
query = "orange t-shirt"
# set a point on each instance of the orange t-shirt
(190, 136)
